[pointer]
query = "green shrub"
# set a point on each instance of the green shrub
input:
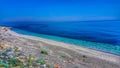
(44, 52)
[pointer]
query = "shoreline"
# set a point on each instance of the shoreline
(64, 54)
(85, 51)
(107, 48)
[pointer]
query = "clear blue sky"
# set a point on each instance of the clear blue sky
(85, 9)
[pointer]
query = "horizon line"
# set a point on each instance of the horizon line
(60, 19)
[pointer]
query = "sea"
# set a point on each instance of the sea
(98, 35)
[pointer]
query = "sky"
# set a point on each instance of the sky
(60, 9)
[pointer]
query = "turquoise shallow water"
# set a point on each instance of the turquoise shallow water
(107, 32)
(113, 49)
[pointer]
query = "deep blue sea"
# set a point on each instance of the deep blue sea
(98, 35)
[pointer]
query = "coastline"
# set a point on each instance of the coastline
(73, 55)
(85, 51)
(107, 48)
